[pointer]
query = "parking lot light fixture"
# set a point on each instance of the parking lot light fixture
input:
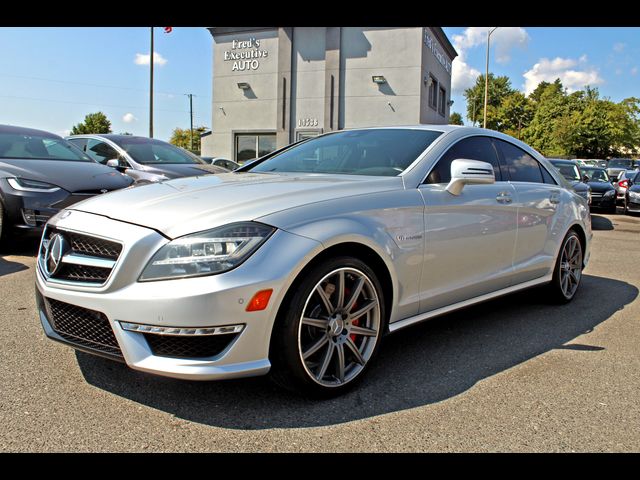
(486, 77)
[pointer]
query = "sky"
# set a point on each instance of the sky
(50, 78)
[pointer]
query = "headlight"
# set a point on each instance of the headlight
(206, 253)
(609, 193)
(634, 195)
(24, 185)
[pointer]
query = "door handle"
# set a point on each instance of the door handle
(504, 197)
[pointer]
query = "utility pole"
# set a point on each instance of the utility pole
(486, 77)
(190, 95)
(151, 88)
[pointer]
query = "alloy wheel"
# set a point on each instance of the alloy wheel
(570, 266)
(339, 327)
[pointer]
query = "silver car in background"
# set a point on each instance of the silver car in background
(299, 263)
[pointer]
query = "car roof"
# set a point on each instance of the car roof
(27, 131)
(562, 160)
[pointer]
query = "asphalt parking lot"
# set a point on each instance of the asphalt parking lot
(513, 374)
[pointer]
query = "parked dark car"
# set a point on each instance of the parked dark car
(571, 172)
(146, 160)
(632, 196)
(41, 173)
(603, 193)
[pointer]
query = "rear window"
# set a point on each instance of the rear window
(38, 147)
(619, 162)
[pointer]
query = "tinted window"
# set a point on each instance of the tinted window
(149, 151)
(101, 152)
(619, 162)
(546, 176)
(567, 170)
(81, 143)
(379, 152)
(521, 166)
(29, 146)
(472, 148)
(596, 175)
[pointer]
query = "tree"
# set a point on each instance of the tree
(544, 132)
(498, 87)
(93, 123)
(514, 114)
(455, 119)
(182, 138)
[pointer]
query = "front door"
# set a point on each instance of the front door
(470, 238)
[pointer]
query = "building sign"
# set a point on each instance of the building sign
(435, 49)
(245, 54)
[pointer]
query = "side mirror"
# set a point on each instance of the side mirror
(469, 172)
(113, 163)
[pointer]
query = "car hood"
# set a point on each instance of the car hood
(601, 187)
(187, 205)
(176, 170)
(69, 175)
(578, 186)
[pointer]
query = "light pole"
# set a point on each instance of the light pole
(486, 77)
(151, 88)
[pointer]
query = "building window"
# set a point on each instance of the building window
(433, 92)
(442, 97)
(254, 145)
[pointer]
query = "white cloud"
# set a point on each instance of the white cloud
(463, 76)
(64, 133)
(563, 68)
(128, 118)
(619, 47)
(143, 59)
(503, 39)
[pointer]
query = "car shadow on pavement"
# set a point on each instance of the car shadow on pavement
(600, 223)
(421, 365)
(7, 267)
(26, 246)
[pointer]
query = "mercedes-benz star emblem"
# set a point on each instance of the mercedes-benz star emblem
(53, 256)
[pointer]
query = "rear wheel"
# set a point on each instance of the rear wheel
(330, 330)
(568, 270)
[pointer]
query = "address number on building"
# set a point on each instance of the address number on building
(308, 122)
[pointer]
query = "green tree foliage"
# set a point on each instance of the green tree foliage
(498, 89)
(93, 123)
(455, 119)
(182, 138)
(557, 123)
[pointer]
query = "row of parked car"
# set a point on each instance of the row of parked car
(604, 184)
(42, 173)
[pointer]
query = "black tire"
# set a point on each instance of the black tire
(557, 288)
(333, 368)
(3, 226)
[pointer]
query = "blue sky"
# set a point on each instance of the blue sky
(52, 77)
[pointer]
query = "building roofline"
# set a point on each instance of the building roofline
(444, 41)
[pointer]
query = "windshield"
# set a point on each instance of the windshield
(379, 152)
(620, 162)
(148, 151)
(568, 171)
(596, 175)
(633, 176)
(39, 147)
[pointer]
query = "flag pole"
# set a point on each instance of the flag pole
(151, 88)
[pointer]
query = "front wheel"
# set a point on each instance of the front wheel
(568, 270)
(330, 329)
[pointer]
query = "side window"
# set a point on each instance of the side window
(472, 148)
(81, 143)
(521, 166)
(546, 176)
(100, 151)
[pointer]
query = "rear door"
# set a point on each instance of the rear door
(470, 238)
(537, 198)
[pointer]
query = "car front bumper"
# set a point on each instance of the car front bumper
(195, 303)
(633, 205)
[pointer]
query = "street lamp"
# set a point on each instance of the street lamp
(486, 77)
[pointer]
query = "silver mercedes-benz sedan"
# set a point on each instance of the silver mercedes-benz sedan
(298, 264)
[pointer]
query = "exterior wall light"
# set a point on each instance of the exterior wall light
(379, 79)
(244, 86)
(450, 102)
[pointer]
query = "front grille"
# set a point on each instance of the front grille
(83, 273)
(87, 259)
(84, 327)
(596, 195)
(200, 346)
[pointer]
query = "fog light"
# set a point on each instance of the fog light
(180, 331)
(29, 217)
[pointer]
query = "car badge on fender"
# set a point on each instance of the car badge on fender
(54, 253)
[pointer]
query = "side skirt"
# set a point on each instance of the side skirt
(395, 326)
